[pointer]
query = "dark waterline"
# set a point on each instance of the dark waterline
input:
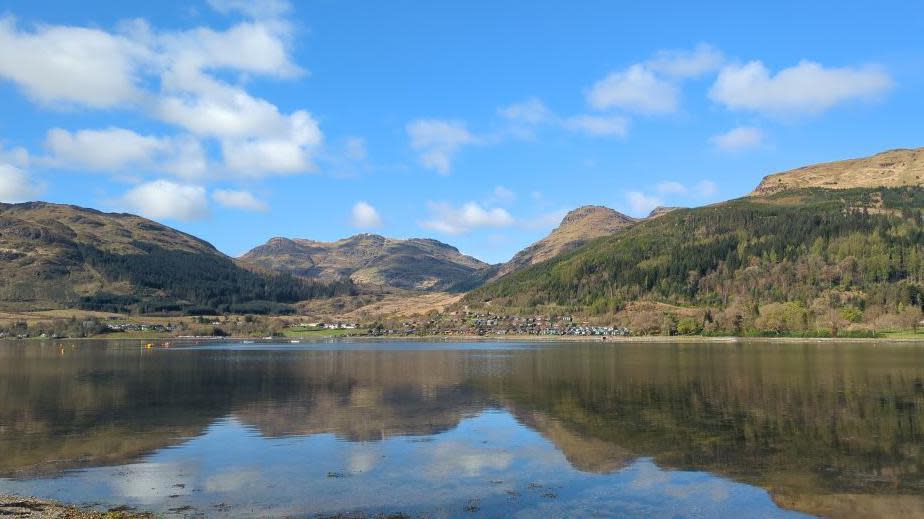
(467, 429)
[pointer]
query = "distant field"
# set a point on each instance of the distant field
(298, 332)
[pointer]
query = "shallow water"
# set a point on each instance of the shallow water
(467, 429)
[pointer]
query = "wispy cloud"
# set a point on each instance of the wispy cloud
(244, 200)
(437, 141)
(739, 139)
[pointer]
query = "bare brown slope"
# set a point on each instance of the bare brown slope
(415, 264)
(577, 228)
(894, 168)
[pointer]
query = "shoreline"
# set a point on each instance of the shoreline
(641, 339)
(33, 507)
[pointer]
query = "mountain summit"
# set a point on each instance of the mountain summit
(414, 264)
(577, 228)
(893, 168)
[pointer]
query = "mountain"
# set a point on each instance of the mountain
(414, 264)
(894, 168)
(577, 228)
(66, 256)
(793, 262)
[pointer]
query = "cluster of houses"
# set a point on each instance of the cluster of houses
(469, 323)
(331, 326)
(137, 327)
(542, 325)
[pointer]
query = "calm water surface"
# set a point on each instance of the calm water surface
(467, 430)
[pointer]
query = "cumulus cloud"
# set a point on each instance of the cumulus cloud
(448, 219)
(16, 185)
(641, 203)
(163, 199)
(63, 64)
(118, 149)
(598, 126)
(635, 89)
(365, 216)
(687, 63)
(738, 139)
(243, 200)
(805, 89)
(97, 69)
(437, 141)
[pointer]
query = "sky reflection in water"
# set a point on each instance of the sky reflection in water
(469, 430)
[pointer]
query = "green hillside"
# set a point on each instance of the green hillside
(794, 262)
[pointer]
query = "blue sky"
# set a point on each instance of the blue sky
(476, 123)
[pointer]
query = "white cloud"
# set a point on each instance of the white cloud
(118, 149)
(62, 64)
(163, 199)
(687, 63)
(459, 220)
(275, 155)
(18, 157)
(706, 188)
(255, 47)
(807, 88)
(108, 150)
(641, 203)
(238, 200)
(670, 187)
(99, 69)
(15, 185)
(635, 89)
(737, 139)
(437, 141)
(365, 216)
(598, 126)
(530, 111)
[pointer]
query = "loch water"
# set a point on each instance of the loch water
(456, 429)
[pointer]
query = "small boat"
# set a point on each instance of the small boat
(294, 342)
(246, 342)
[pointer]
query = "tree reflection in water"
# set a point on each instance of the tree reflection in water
(833, 429)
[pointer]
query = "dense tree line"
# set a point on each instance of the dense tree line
(838, 256)
(196, 283)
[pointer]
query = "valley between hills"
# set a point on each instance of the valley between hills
(826, 250)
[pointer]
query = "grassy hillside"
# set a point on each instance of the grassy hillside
(792, 261)
(57, 256)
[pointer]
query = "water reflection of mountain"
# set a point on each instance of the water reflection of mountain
(818, 426)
